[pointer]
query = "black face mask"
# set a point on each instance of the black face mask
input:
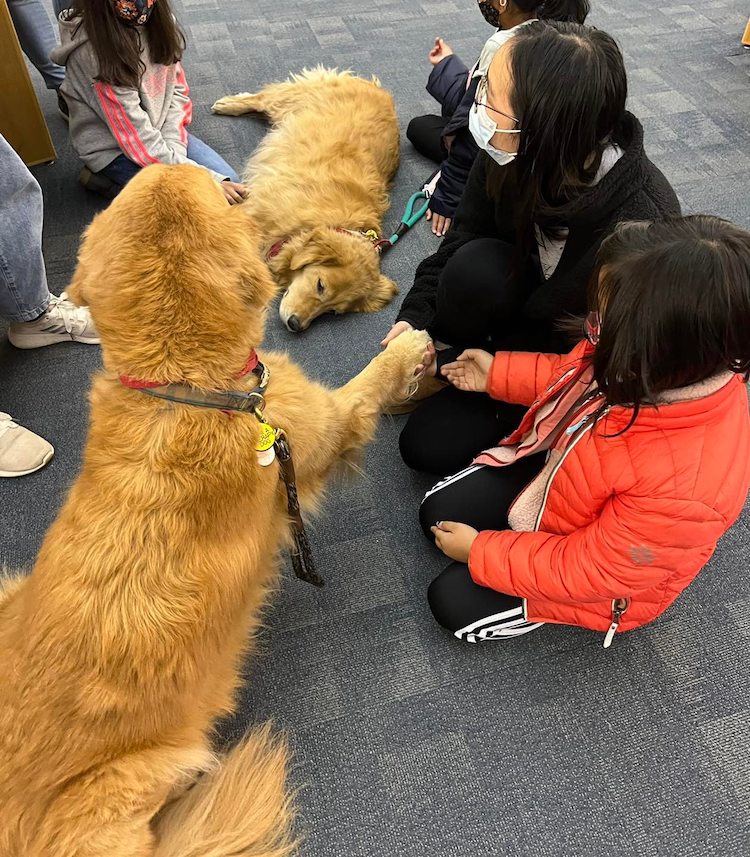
(490, 13)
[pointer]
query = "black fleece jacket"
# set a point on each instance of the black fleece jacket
(634, 189)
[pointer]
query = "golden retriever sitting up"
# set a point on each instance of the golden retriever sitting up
(122, 647)
(318, 182)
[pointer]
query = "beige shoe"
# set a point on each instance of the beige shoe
(426, 387)
(21, 451)
(62, 322)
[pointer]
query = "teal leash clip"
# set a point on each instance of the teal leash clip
(412, 215)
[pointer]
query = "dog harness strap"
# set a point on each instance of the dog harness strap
(223, 400)
(301, 552)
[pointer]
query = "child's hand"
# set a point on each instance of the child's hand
(440, 223)
(234, 191)
(454, 540)
(470, 371)
(439, 52)
(398, 328)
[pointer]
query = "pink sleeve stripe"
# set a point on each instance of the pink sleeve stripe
(146, 156)
(114, 125)
(187, 108)
(125, 134)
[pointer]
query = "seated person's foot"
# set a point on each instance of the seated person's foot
(62, 321)
(21, 451)
(98, 183)
(62, 106)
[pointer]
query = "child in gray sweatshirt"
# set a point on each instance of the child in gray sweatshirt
(127, 95)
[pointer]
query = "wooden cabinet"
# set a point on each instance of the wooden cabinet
(21, 120)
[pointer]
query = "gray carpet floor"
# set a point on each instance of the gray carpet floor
(405, 741)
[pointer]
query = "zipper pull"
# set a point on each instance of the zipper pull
(619, 606)
(574, 428)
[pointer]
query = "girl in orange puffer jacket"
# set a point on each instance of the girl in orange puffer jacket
(632, 460)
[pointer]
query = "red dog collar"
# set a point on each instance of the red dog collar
(370, 234)
(251, 364)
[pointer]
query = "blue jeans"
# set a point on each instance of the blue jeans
(36, 36)
(122, 169)
(24, 295)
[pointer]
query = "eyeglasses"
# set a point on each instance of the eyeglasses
(480, 100)
(592, 327)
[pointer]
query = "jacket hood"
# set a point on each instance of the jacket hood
(599, 202)
(72, 36)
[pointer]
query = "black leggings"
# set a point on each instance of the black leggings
(481, 497)
(425, 134)
(478, 306)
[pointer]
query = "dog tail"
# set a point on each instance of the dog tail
(242, 808)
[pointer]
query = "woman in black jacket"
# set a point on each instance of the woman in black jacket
(562, 164)
(446, 139)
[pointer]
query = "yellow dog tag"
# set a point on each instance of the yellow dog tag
(267, 438)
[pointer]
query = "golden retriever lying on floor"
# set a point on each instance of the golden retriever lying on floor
(121, 649)
(318, 182)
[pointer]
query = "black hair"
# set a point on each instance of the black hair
(575, 11)
(674, 299)
(117, 46)
(568, 93)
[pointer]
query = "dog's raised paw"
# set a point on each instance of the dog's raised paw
(411, 348)
(232, 105)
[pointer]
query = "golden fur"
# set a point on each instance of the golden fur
(327, 163)
(122, 647)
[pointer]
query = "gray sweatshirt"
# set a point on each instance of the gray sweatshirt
(148, 125)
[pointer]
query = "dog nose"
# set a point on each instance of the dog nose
(293, 324)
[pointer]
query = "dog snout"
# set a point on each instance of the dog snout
(293, 324)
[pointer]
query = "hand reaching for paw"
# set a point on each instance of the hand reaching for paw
(398, 328)
(470, 371)
(428, 359)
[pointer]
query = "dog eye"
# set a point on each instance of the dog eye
(321, 287)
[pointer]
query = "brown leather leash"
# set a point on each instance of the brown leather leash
(301, 552)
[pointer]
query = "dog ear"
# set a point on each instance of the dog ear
(315, 248)
(383, 293)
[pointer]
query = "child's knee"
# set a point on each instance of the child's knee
(428, 515)
(415, 129)
(441, 597)
(412, 129)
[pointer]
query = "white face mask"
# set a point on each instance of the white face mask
(483, 129)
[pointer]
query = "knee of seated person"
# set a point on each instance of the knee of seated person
(440, 597)
(439, 460)
(413, 129)
(428, 512)
(475, 269)
(412, 448)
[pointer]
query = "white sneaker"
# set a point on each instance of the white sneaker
(21, 451)
(63, 322)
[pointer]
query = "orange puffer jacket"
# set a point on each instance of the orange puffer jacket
(627, 522)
